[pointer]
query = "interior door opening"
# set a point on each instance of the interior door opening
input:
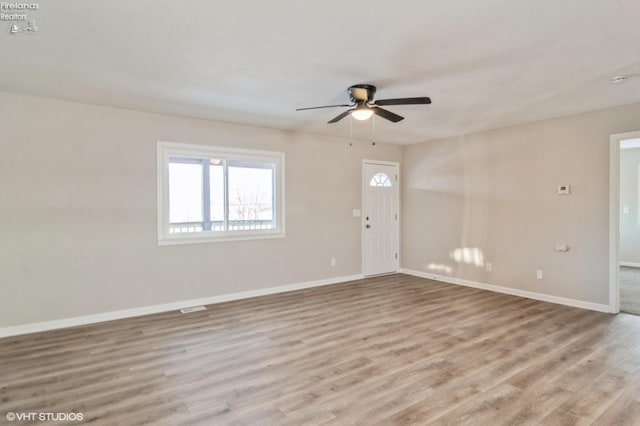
(624, 223)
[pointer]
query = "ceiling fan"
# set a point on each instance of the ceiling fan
(363, 106)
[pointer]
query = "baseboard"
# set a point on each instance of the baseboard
(512, 291)
(630, 264)
(154, 309)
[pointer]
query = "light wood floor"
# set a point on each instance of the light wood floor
(387, 350)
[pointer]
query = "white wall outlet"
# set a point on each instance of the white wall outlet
(539, 274)
(561, 247)
(488, 267)
(564, 189)
(333, 261)
(625, 210)
(357, 213)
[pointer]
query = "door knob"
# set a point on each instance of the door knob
(367, 226)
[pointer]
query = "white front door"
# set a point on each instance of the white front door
(380, 218)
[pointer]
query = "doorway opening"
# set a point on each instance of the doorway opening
(624, 219)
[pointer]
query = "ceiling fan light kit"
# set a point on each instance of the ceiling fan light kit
(364, 107)
(362, 113)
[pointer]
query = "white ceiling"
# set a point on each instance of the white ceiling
(485, 64)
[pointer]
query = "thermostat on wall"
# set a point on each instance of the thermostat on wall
(564, 189)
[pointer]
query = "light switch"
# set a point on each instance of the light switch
(625, 210)
(356, 213)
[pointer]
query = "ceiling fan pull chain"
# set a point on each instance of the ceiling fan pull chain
(350, 130)
(373, 130)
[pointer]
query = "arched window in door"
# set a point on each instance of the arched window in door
(380, 179)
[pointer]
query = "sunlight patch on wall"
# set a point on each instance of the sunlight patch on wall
(469, 255)
(435, 267)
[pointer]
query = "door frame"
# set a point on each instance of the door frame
(614, 217)
(362, 212)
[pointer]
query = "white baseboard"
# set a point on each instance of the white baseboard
(154, 309)
(630, 264)
(512, 291)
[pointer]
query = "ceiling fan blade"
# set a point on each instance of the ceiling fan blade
(404, 101)
(387, 114)
(340, 117)
(326, 106)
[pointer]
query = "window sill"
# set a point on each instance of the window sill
(171, 241)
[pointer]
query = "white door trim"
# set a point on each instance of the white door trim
(362, 209)
(614, 217)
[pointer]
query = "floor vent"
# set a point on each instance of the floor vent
(192, 309)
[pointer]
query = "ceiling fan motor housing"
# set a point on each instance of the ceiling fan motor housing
(361, 93)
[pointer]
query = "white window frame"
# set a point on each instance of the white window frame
(165, 150)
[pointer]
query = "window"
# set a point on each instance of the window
(380, 179)
(217, 194)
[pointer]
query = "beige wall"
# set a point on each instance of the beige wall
(494, 193)
(78, 212)
(629, 222)
(78, 209)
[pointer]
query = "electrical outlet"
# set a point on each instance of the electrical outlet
(539, 274)
(333, 261)
(488, 267)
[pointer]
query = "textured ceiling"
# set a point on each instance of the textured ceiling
(485, 64)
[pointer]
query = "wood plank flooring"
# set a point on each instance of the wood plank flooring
(389, 350)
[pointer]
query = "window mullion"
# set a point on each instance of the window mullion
(274, 196)
(226, 194)
(206, 195)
